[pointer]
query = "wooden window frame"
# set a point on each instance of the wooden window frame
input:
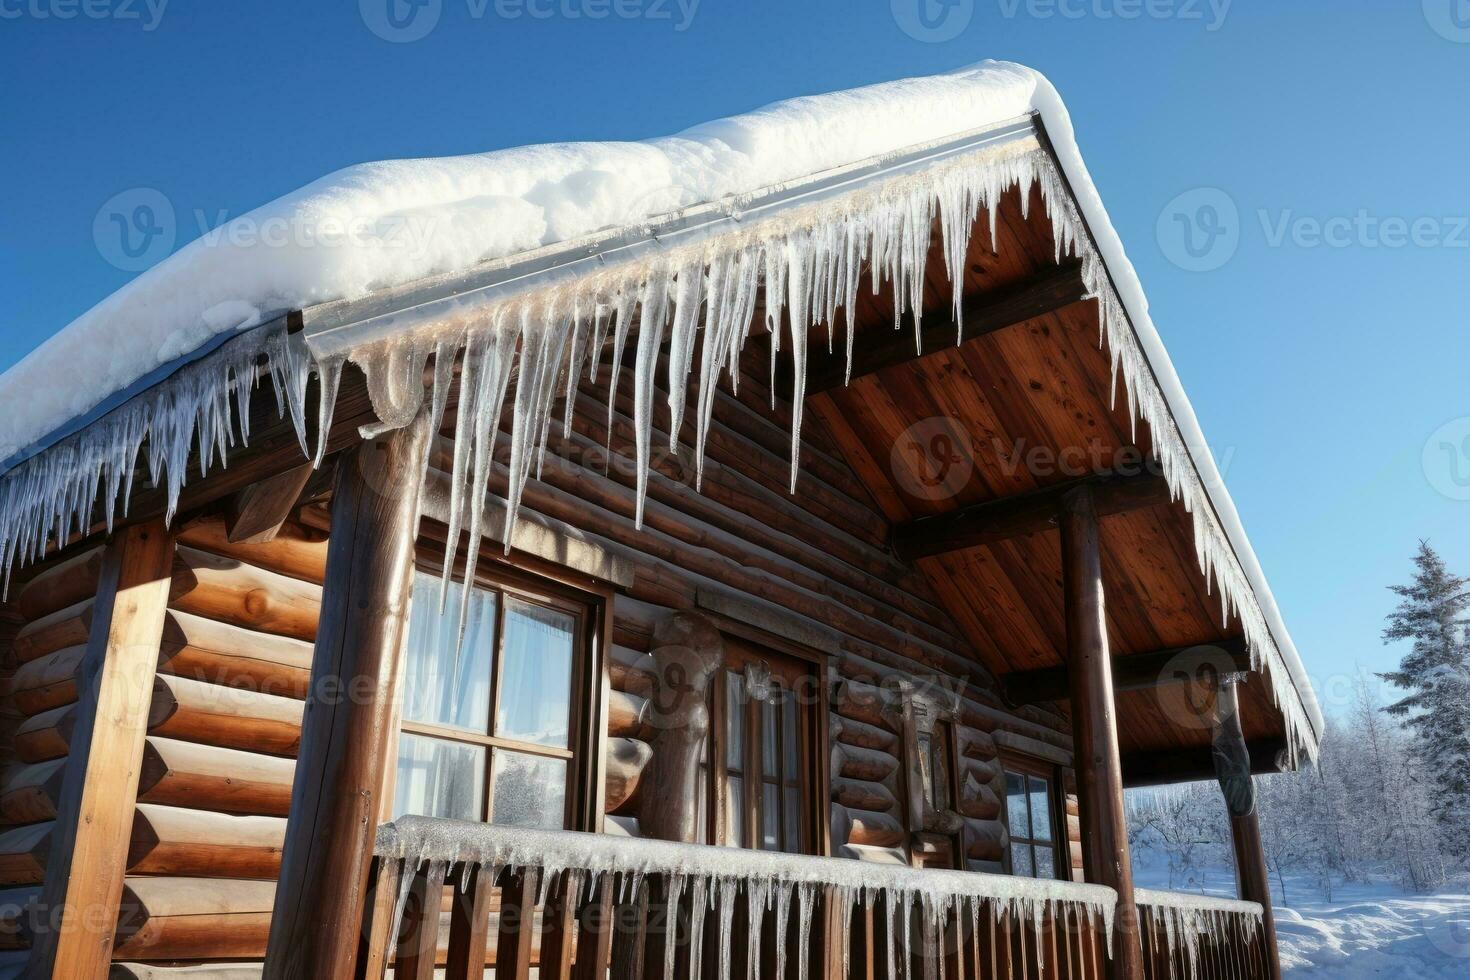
(1024, 765)
(591, 603)
(812, 752)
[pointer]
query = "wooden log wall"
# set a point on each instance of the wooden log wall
(816, 562)
(215, 783)
(48, 622)
(214, 786)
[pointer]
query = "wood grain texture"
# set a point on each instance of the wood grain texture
(347, 729)
(84, 878)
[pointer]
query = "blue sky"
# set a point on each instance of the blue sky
(1322, 357)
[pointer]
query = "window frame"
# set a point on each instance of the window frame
(795, 665)
(1023, 765)
(590, 603)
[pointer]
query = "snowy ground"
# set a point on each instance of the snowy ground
(1365, 930)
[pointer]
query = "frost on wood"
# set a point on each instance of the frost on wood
(777, 884)
(803, 266)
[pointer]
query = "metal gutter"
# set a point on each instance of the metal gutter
(332, 328)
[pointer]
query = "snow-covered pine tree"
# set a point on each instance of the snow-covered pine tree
(1436, 675)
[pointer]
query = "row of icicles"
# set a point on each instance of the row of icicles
(806, 266)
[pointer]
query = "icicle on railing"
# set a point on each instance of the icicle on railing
(807, 263)
(709, 880)
(1189, 922)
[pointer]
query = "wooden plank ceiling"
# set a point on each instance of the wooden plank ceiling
(1001, 408)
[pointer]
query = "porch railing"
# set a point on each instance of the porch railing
(1201, 938)
(467, 898)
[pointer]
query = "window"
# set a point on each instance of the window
(490, 726)
(936, 773)
(761, 741)
(1031, 820)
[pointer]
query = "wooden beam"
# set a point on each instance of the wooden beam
(1135, 672)
(347, 728)
(257, 512)
(1193, 764)
(89, 843)
(986, 312)
(1231, 755)
(1024, 513)
(1094, 726)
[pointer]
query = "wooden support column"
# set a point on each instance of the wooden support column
(1232, 766)
(77, 913)
(1094, 726)
(687, 651)
(347, 728)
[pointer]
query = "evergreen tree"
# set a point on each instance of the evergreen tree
(1436, 675)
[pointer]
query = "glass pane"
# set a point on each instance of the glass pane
(1046, 865)
(536, 679)
(701, 815)
(1019, 823)
(789, 736)
(735, 722)
(1021, 861)
(926, 767)
(446, 683)
(1040, 809)
(735, 806)
(439, 779)
(770, 740)
(528, 791)
(939, 761)
(793, 820)
(770, 817)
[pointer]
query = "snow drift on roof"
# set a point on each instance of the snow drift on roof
(377, 225)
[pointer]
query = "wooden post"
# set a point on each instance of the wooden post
(687, 651)
(1232, 764)
(347, 728)
(77, 914)
(1094, 726)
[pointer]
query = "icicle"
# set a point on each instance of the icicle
(676, 891)
(654, 305)
(783, 915)
(688, 290)
(804, 927)
(725, 907)
(700, 897)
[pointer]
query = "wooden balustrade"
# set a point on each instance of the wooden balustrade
(579, 906)
(471, 898)
(1185, 936)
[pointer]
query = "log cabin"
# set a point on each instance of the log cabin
(788, 582)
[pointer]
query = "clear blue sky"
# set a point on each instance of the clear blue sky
(1319, 371)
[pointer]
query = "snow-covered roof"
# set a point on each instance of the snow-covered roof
(741, 193)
